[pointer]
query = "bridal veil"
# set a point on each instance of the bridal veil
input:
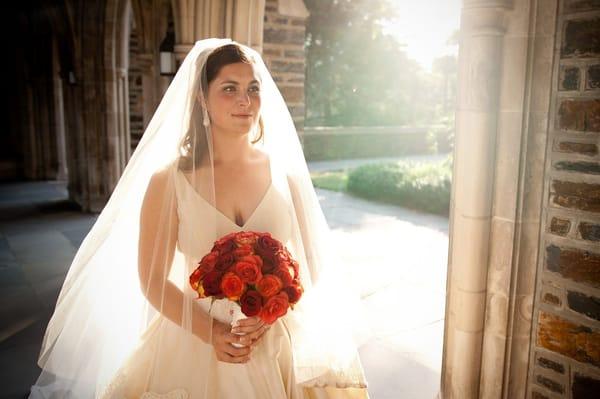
(116, 288)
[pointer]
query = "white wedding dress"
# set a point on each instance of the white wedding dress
(171, 363)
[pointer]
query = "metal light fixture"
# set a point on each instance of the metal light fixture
(167, 55)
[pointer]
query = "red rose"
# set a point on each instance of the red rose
(224, 262)
(294, 292)
(211, 283)
(274, 308)
(283, 272)
(269, 285)
(245, 238)
(251, 303)
(242, 251)
(267, 246)
(266, 243)
(248, 269)
(232, 286)
(197, 276)
(224, 245)
(268, 265)
(210, 259)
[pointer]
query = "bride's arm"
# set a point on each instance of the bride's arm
(157, 240)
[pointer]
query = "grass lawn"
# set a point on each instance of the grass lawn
(335, 180)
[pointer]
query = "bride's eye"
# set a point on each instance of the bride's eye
(254, 89)
(229, 89)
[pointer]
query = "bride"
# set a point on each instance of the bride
(220, 155)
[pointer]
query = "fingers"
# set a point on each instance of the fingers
(257, 334)
(248, 325)
(228, 353)
(226, 357)
(237, 352)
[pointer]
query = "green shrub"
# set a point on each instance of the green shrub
(330, 180)
(423, 186)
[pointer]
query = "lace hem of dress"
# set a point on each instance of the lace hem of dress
(176, 394)
(325, 384)
(114, 391)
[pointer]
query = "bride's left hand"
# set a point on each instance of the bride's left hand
(253, 329)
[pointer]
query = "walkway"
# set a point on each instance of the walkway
(400, 256)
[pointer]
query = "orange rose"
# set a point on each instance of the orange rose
(248, 269)
(293, 292)
(242, 251)
(269, 285)
(296, 268)
(245, 238)
(232, 286)
(274, 308)
(195, 278)
(283, 272)
(251, 303)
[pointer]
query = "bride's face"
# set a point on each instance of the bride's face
(233, 100)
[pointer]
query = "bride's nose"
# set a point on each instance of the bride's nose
(243, 99)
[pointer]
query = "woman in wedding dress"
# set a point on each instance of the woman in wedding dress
(220, 155)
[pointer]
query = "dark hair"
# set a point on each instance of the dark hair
(220, 57)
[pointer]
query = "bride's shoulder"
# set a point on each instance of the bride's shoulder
(162, 181)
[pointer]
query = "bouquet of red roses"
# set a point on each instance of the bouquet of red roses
(252, 269)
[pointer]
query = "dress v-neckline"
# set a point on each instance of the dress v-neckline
(245, 224)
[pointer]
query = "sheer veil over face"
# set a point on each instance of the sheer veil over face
(131, 272)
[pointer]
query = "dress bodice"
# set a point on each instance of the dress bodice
(201, 224)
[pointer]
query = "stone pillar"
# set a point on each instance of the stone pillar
(480, 56)
(241, 20)
(59, 116)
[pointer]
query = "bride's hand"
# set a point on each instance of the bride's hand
(222, 340)
(252, 328)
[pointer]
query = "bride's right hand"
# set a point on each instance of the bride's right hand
(222, 340)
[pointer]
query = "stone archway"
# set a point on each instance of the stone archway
(119, 15)
(522, 318)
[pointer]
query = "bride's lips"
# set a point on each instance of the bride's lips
(242, 115)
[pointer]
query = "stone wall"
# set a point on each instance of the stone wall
(327, 143)
(565, 361)
(136, 98)
(284, 54)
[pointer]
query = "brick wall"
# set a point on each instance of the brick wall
(283, 52)
(566, 338)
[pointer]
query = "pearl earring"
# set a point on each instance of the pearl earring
(205, 118)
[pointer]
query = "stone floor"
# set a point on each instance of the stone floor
(403, 289)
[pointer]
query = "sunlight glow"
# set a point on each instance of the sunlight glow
(424, 26)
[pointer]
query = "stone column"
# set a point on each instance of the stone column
(59, 118)
(241, 20)
(480, 54)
